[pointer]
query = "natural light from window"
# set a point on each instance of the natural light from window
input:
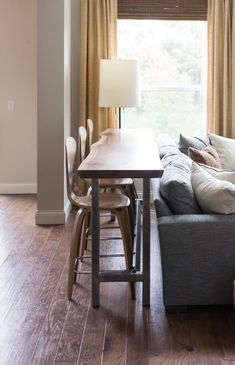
(173, 64)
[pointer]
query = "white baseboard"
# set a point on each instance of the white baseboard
(67, 209)
(18, 188)
(50, 217)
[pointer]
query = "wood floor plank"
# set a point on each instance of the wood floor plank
(51, 331)
(50, 302)
(181, 342)
(225, 333)
(116, 326)
(115, 341)
(207, 349)
(75, 322)
(6, 201)
(31, 298)
(14, 271)
(159, 347)
(94, 333)
(137, 333)
(39, 326)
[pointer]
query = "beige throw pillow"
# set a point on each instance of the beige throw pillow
(207, 156)
(219, 174)
(226, 150)
(213, 195)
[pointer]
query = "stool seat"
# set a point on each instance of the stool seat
(107, 201)
(111, 182)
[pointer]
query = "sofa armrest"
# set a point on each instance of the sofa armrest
(161, 207)
(198, 258)
(197, 233)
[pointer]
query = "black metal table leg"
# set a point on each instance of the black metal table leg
(146, 242)
(95, 243)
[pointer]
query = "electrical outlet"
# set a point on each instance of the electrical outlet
(11, 105)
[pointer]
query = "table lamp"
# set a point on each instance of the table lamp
(119, 84)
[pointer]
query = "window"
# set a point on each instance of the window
(173, 63)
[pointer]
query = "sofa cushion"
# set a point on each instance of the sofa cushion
(213, 195)
(166, 144)
(175, 184)
(195, 142)
(161, 207)
(225, 148)
(219, 174)
(207, 156)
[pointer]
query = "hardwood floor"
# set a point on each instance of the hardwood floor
(38, 325)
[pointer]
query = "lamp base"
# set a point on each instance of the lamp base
(119, 118)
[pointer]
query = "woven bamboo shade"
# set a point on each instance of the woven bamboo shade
(163, 9)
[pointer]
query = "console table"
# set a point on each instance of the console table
(122, 153)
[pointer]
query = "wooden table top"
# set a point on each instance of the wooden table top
(122, 153)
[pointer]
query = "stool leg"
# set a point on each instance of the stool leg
(124, 223)
(128, 228)
(133, 197)
(75, 243)
(88, 230)
(113, 217)
(85, 225)
(131, 208)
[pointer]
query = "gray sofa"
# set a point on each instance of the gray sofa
(197, 250)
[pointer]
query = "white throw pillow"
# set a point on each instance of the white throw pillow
(213, 195)
(225, 148)
(219, 174)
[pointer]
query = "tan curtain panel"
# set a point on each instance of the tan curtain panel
(233, 69)
(163, 9)
(220, 66)
(98, 39)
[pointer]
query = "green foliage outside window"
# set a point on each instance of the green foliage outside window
(172, 57)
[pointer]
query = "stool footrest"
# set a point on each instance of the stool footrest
(120, 276)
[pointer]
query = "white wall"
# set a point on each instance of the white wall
(18, 146)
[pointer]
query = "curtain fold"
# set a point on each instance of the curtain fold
(220, 74)
(98, 39)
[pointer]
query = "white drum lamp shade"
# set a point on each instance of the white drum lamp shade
(119, 84)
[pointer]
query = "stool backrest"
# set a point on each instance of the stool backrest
(70, 153)
(90, 128)
(82, 140)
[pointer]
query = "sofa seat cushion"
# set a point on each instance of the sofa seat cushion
(175, 184)
(213, 195)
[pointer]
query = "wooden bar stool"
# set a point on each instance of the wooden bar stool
(117, 204)
(114, 202)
